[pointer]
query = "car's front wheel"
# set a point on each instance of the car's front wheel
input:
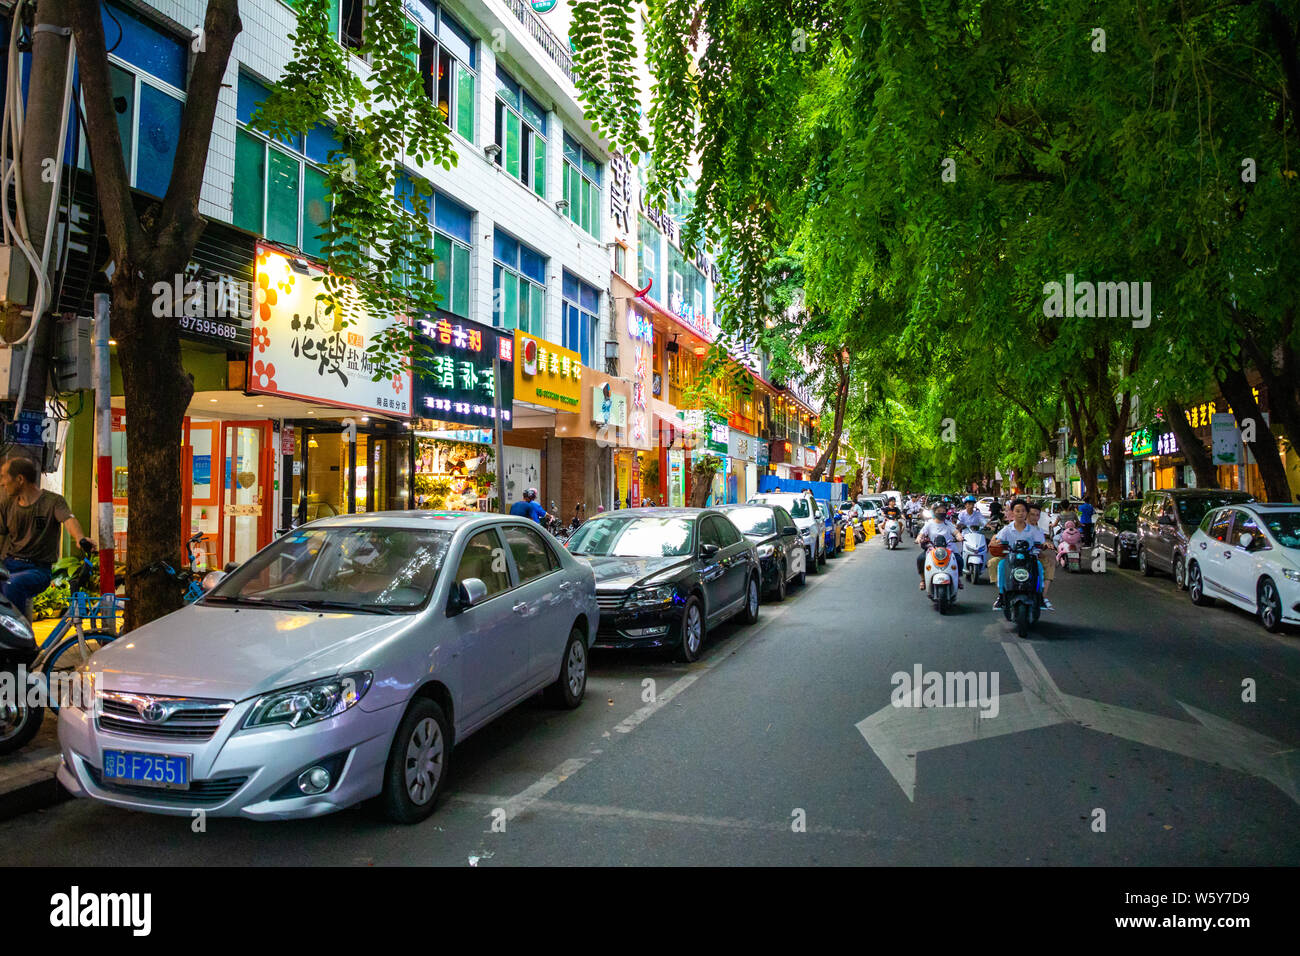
(691, 631)
(417, 763)
(749, 614)
(1180, 572)
(778, 592)
(1270, 606)
(1143, 566)
(569, 687)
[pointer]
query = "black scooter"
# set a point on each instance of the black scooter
(1021, 596)
(18, 648)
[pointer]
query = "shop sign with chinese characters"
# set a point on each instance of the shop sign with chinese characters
(458, 385)
(546, 374)
(642, 334)
(300, 351)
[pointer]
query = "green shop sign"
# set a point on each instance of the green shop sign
(1142, 444)
(542, 6)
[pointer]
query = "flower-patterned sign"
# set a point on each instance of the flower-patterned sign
(301, 352)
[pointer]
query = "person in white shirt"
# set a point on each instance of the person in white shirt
(936, 526)
(1022, 528)
(968, 517)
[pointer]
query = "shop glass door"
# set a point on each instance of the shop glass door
(246, 494)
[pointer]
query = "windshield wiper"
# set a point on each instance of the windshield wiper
(259, 602)
(349, 608)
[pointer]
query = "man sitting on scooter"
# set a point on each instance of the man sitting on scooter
(31, 523)
(1019, 530)
(891, 511)
(968, 517)
(936, 526)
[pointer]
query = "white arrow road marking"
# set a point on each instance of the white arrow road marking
(898, 734)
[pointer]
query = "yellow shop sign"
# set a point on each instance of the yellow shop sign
(546, 374)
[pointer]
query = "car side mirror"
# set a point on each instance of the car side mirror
(709, 550)
(789, 531)
(465, 594)
(1245, 539)
(1165, 520)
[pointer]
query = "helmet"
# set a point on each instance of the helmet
(530, 494)
(969, 499)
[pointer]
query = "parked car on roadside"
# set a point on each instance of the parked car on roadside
(664, 576)
(1116, 532)
(343, 661)
(1248, 555)
(831, 523)
(1166, 521)
(803, 509)
(781, 555)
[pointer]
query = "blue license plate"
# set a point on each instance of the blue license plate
(167, 771)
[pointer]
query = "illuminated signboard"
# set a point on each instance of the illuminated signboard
(458, 385)
(547, 374)
(642, 334)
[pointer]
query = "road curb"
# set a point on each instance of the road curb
(38, 794)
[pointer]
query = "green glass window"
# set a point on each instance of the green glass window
(283, 197)
(460, 279)
(582, 187)
(510, 301)
(250, 181)
(539, 166)
(442, 268)
(464, 102)
(536, 311)
(513, 144)
(316, 211)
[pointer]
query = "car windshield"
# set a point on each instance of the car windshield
(382, 570)
(1191, 509)
(798, 507)
(753, 520)
(639, 537)
(1284, 526)
(1128, 515)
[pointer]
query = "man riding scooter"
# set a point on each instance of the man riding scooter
(936, 526)
(1020, 529)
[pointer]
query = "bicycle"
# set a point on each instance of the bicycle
(189, 578)
(92, 621)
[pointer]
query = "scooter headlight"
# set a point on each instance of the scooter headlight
(18, 627)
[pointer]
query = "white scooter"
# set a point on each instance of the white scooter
(941, 575)
(892, 533)
(974, 553)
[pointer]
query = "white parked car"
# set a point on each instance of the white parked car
(344, 661)
(803, 509)
(985, 506)
(1248, 555)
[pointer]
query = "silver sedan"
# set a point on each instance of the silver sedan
(342, 662)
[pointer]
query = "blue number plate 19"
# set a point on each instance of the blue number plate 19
(166, 771)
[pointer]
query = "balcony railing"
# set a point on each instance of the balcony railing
(540, 32)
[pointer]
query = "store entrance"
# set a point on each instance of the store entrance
(245, 492)
(332, 475)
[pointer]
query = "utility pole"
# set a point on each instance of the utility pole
(40, 168)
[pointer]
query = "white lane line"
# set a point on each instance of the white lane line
(674, 819)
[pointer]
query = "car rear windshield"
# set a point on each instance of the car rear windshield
(1128, 515)
(798, 507)
(643, 537)
(753, 520)
(1285, 526)
(383, 570)
(1192, 508)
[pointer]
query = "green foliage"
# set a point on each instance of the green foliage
(378, 248)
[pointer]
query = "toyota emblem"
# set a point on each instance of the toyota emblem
(154, 712)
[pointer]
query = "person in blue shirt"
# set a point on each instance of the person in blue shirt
(1085, 521)
(529, 508)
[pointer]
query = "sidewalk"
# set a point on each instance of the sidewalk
(27, 777)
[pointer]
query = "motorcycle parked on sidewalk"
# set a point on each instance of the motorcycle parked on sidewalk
(941, 575)
(974, 553)
(18, 648)
(892, 533)
(1021, 594)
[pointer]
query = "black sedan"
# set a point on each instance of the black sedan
(1117, 532)
(781, 554)
(664, 576)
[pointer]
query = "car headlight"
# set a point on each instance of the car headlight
(766, 550)
(651, 597)
(309, 703)
(1291, 575)
(18, 626)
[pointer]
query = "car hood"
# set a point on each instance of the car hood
(620, 573)
(235, 653)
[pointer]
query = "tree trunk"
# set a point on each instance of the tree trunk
(702, 484)
(1236, 391)
(157, 391)
(832, 447)
(1207, 476)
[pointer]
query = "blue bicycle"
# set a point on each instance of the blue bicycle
(32, 677)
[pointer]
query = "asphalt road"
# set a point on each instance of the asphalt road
(1120, 738)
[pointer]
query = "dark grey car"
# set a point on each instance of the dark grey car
(1166, 522)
